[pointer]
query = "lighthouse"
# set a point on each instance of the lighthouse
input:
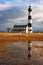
(29, 24)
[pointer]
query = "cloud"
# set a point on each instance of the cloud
(16, 12)
(5, 6)
(11, 16)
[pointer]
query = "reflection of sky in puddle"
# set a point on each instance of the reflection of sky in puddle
(37, 43)
(17, 53)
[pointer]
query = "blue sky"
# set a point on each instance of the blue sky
(16, 12)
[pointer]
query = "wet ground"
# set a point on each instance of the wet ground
(17, 53)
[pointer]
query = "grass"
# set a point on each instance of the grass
(12, 37)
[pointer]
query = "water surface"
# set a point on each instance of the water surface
(17, 53)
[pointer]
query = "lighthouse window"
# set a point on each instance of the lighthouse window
(29, 24)
(29, 17)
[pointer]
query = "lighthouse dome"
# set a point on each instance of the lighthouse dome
(29, 9)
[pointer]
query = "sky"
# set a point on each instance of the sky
(13, 12)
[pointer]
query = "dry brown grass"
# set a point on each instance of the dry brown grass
(12, 37)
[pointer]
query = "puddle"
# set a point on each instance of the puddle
(20, 53)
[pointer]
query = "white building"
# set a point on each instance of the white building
(20, 28)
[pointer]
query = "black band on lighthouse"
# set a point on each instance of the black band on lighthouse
(29, 29)
(29, 25)
(29, 17)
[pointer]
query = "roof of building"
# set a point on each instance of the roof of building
(20, 25)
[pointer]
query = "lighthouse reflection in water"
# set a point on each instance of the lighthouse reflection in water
(29, 49)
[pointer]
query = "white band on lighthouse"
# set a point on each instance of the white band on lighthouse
(30, 21)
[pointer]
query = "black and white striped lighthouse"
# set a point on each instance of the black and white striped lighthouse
(29, 25)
